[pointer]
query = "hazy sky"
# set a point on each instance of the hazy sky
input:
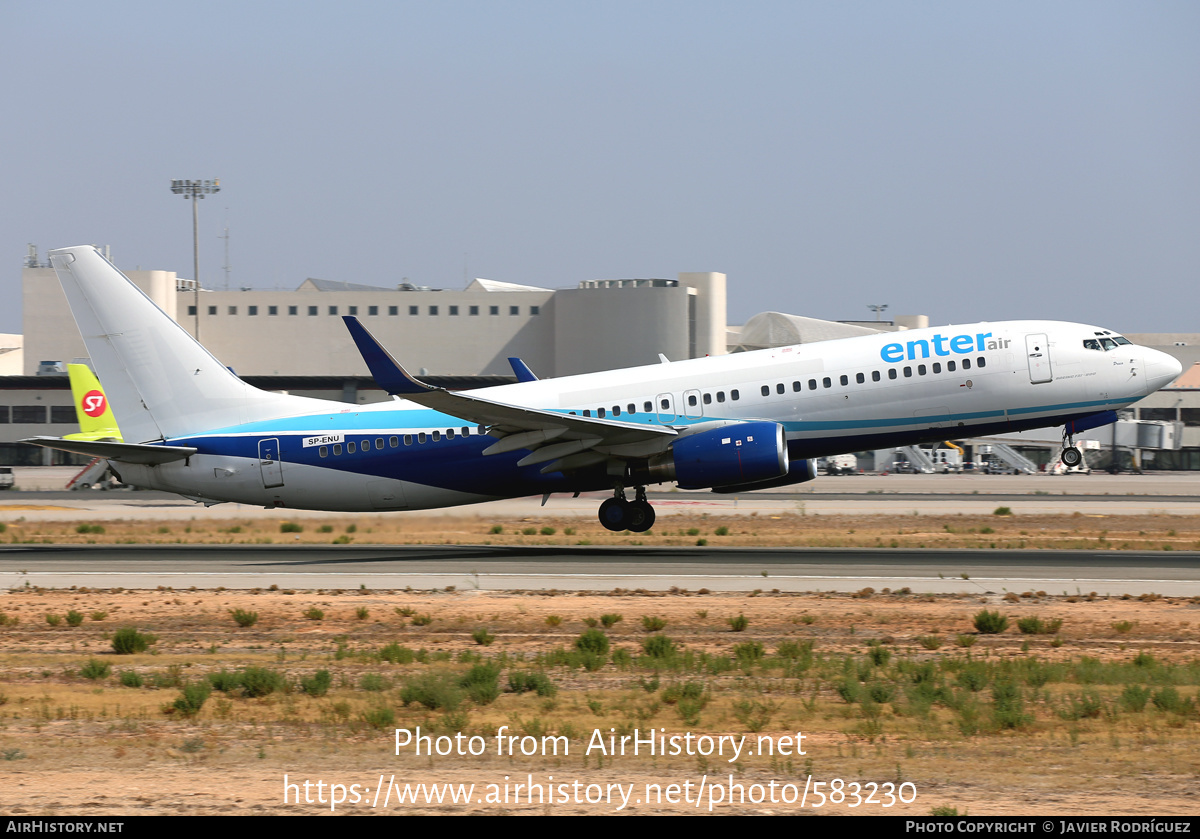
(971, 161)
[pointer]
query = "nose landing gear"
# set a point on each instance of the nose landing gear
(618, 514)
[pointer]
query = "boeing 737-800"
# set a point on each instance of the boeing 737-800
(728, 423)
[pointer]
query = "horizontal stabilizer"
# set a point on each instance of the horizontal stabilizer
(123, 452)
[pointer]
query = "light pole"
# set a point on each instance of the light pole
(877, 308)
(194, 190)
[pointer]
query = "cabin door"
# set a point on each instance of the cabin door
(268, 463)
(1037, 350)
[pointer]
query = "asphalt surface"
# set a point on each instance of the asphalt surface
(593, 568)
(604, 568)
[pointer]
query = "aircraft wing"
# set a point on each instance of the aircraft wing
(554, 435)
(123, 452)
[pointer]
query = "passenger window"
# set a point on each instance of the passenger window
(734, 395)
(891, 372)
(921, 369)
(812, 384)
(766, 390)
(779, 388)
(981, 362)
(665, 404)
(437, 435)
(449, 433)
(408, 439)
(908, 372)
(708, 399)
(966, 364)
(845, 380)
(366, 445)
(324, 451)
(631, 408)
(421, 437)
(692, 400)
(350, 449)
(720, 396)
(874, 375)
(393, 442)
(796, 386)
(951, 366)
(600, 412)
(858, 377)
(337, 449)
(587, 412)
(937, 367)
(616, 410)
(647, 406)
(827, 382)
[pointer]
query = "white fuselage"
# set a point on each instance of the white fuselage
(831, 397)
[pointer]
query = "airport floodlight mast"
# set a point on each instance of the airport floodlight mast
(195, 190)
(877, 308)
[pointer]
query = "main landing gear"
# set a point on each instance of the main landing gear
(1071, 456)
(617, 513)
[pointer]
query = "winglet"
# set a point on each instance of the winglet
(388, 374)
(521, 370)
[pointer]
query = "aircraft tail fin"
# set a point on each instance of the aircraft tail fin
(160, 381)
(96, 420)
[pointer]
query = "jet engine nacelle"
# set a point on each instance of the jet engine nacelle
(738, 453)
(799, 472)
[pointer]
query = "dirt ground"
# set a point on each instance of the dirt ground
(1000, 529)
(77, 745)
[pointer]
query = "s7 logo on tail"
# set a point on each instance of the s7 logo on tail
(93, 403)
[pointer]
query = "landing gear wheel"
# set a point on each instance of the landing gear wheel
(1071, 457)
(641, 516)
(615, 514)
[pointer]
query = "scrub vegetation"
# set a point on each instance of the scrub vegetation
(885, 686)
(983, 532)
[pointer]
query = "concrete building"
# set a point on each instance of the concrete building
(599, 325)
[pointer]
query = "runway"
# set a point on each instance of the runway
(654, 568)
(592, 568)
(1170, 493)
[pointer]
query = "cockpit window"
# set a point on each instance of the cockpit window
(1104, 343)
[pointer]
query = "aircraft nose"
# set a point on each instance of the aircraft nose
(1161, 369)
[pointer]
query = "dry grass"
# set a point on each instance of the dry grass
(126, 752)
(1074, 531)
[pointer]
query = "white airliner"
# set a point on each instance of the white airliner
(729, 423)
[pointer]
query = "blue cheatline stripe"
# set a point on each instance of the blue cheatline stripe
(420, 419)
(359, 421)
